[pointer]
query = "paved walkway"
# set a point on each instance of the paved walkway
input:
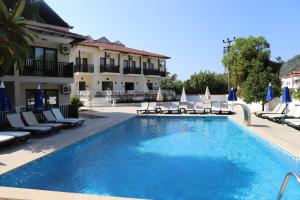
(281, 135)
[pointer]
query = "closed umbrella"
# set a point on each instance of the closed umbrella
(159, 96)
(232, 95)
(5, 104)
(270, 95)
(38, 98)
(207, 94)
(286, 97)
(183, 96)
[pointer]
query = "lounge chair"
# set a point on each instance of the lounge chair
(275, 110)
(199, 108)
(31, 121)
(143, 108)
(16, 123)
(225, 108)
(59, 117)
(50, 118)
(183, 107)
(152, 107)
(280, 110)
(294, 124)
(21, 136)
(6, 139)
(164, 108)
(216, 107)
(190, 107)
(174, 108)
(293, 113)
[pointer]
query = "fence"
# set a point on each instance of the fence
(66, 110)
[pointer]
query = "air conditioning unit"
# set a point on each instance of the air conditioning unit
(66, 89)
(65, 49)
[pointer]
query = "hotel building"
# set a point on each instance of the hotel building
(49, 66)
(102, 65)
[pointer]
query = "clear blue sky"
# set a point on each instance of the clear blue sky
(189, 31)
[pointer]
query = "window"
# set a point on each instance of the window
(50, 97)
(102, 61)
(126, 63)
(129, 86)
(38, 53)
(46, 54)
(81, 85)
(150, 86)
(144, 65)
(112, 62)
(133, 64)
(50, 55)
(107, 85)
(151, 66)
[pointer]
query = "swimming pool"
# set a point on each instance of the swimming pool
(209, 158)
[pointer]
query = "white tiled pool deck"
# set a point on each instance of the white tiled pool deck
(12, 157)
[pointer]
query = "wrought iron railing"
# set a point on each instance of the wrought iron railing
(110, 68)
(47, 68)
(87, 68)
(155, 72)
(132, 70)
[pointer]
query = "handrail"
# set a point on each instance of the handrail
(285, 182)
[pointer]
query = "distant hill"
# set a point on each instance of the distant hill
(291, 65)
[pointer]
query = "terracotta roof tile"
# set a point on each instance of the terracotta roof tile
(120, 48)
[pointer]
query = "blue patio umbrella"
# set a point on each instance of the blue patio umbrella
(270, 93)
(286, 97)
(5, 104)
(232, 96)
(38, 98)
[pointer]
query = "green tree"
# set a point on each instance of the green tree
(217, 83)
(172, 83)
(244, 55)
(252, 69)
(254, 89)
(14, 37)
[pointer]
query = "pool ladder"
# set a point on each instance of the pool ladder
(285, 182)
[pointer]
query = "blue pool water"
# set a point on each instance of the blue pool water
(165, 158)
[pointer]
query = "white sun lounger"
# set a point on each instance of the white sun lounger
(190, 107)
(60, 118)
(174, 107)
(293, 113)
(5, 139)
(164, 107)
(199, 108)
(152, 107)
(21, 136)
(143, 108)
(275, 110)
(280, 110)
(31, 121)
(16, 122)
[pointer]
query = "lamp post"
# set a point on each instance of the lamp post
(226, 49)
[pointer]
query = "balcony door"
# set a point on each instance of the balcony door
(45, 60)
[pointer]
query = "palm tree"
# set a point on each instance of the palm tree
(14, 37)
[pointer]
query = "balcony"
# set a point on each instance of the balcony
(110, 68)
(47, 68)
(132, 70)
(155, 72)
(86, 68)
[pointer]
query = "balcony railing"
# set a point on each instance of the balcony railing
(47, 68)
(132, 70)
(151, 72)
(110, 68)
(155, 72)
(87, 68)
